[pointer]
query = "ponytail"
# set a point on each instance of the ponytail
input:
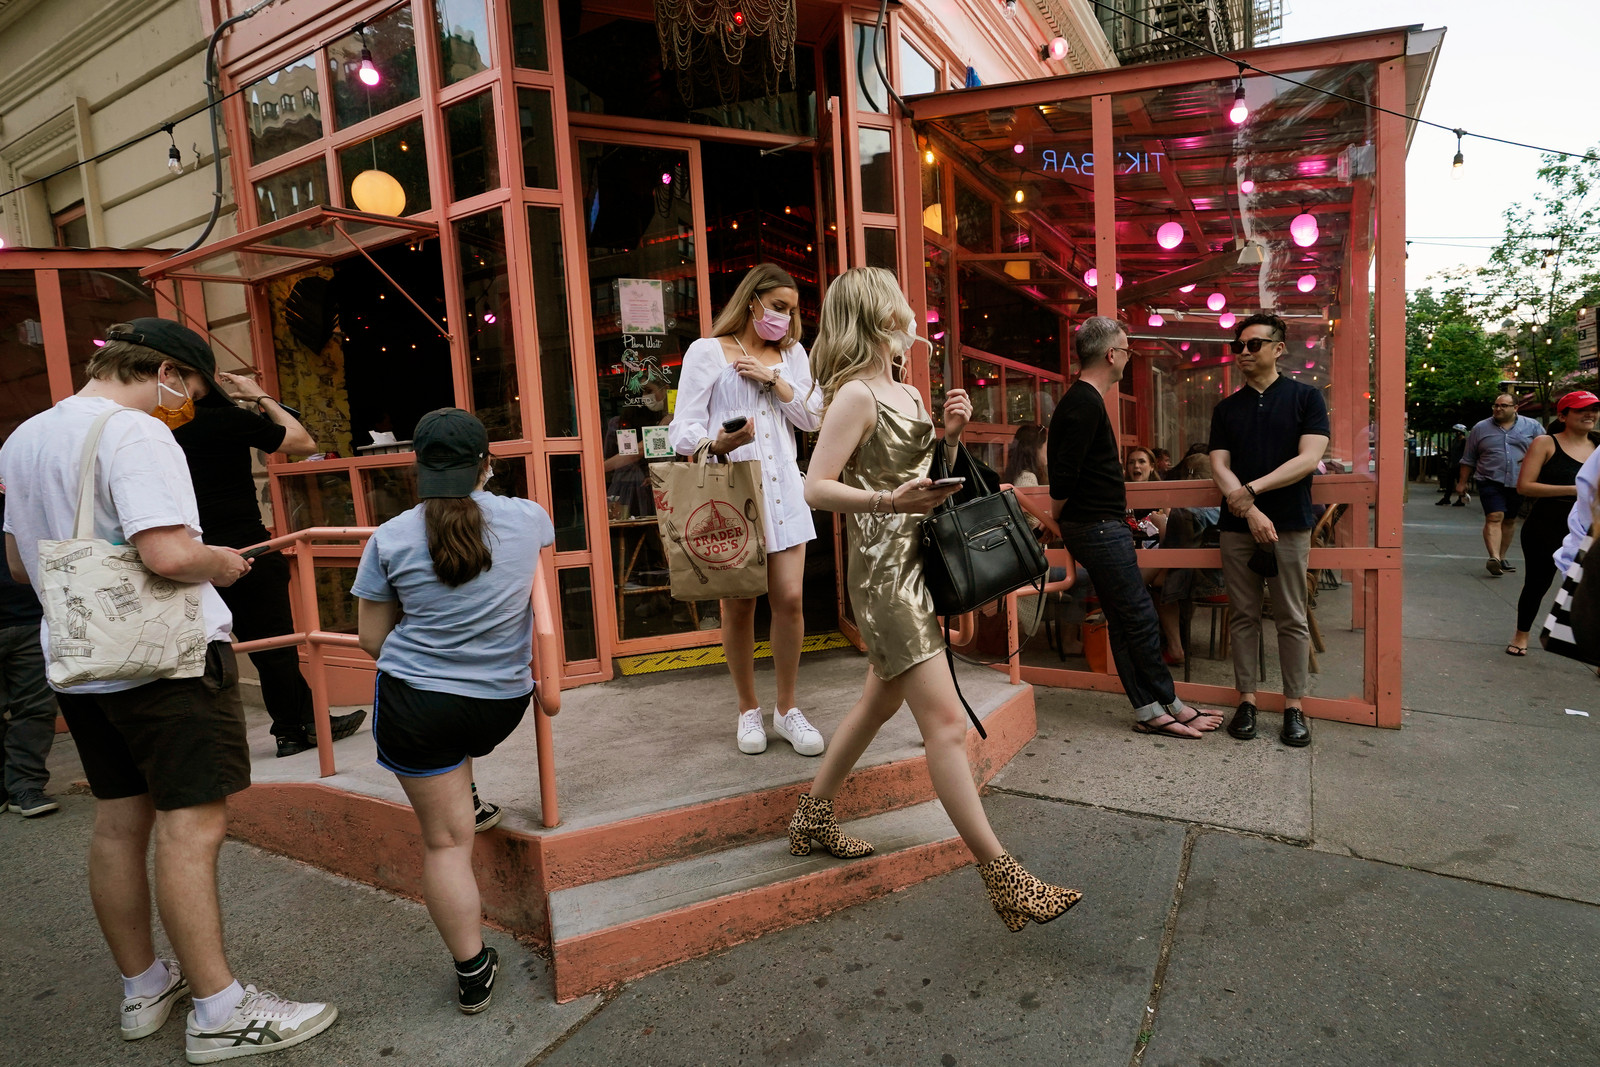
(456, 540)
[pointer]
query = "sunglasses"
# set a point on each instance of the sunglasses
(1254, 345)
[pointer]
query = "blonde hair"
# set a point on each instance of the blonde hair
(862, 310)
(763, 278)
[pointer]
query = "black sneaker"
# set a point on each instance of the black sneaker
(31, 803)
(342, 725)
(296, 743)
(1506, 566)
(484, 816)
(475, 989)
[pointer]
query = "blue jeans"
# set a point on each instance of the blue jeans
(1105, 550)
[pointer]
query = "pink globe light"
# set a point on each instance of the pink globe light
(1017, 148)
(933, 314)
(1195, 358)
(1185, 347)
(1059, 48)
(1091, 278)
(1170, 235)
(1186, 288)
(1247, 187)
(490, 317)
(1303, 228)
(666, 179)
(1216, 301)
(1226, 320)
(1311, 342)
(1306, 283)
(1155, 320)
(1239, 111)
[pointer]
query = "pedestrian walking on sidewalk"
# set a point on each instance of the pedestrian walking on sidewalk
(160, 755)
(216, 444)
(870, 465)
(752, 371)
(1449, 468)
(1266, 440)
(1087, 486)
(28, 728)
(1493, 454)
(1549, 478)
(445, 608)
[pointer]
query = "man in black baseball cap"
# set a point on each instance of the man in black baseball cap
(182, 344)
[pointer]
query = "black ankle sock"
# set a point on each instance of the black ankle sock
(467, 968)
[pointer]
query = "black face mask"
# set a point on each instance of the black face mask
(1264, 562)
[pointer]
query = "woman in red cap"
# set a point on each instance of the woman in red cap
(1549, 477)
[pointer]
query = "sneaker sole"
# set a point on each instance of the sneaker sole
(490, 823)
(781, 732)
(1494, 568)
(151, 1027)
(33, 813)
(213, 1055)
(747, 747)
(476, 1008)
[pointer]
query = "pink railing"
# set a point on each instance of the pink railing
(546, 654)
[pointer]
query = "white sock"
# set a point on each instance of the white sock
(211, 1012)
(148, 984)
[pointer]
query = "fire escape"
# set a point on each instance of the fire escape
(1147, 31)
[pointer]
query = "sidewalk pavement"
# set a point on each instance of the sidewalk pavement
(1426, 896)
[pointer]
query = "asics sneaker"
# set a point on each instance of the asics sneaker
(143, 1016)
(752, 735)
(263, 1022)
(795, 729)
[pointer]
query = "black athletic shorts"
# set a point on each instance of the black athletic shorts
(182, 740)
(421, 733)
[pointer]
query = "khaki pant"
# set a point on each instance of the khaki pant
(1293, 550)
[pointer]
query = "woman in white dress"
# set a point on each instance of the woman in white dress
(753, 367)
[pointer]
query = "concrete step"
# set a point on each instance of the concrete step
(607, 932)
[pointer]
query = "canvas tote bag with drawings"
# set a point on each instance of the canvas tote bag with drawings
(110, 618)
(710, 515)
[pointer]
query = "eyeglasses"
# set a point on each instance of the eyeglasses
(1129, 351)
(1503, 405)
(1254, 345)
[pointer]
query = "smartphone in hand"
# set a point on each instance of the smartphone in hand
(734, 425)
(252, 553)
(939, 483)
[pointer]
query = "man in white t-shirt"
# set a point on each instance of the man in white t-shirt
(162, 754)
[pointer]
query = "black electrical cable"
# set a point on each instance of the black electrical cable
(877, 55)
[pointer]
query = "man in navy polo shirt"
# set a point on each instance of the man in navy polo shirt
(1266, 439)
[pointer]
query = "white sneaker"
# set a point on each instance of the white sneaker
(263, 1022)
(752, 735)
(795, 729)
(143, 1016)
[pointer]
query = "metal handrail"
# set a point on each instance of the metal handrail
(546, 662)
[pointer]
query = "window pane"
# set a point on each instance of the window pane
(527, 35)
(974, 219)
(577, 613)
(474, 161)
(496, 397)
(398, 153)
(24, 383)
(871, 95)
(877, 171)
(566, 498)
(508, 476)
(390, 491)
(320, 499)
(917, 75)
(91, 300)
(932, 195)
(291, 191)
(880, 249)
(336, 608)
(982, 380)
(538, 139)
(1020, 405)
(550, 308)
(284, 110)
(463, 39)
(393, 45)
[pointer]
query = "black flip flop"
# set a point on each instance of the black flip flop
(1513, 650)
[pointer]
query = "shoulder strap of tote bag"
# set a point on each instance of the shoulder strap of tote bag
(83, 526)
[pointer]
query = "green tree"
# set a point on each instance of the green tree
(1452, 363)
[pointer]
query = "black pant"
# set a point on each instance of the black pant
(1542, 535)
(260, 605)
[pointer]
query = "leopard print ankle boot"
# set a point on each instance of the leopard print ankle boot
(1018, 896)
(813, 819)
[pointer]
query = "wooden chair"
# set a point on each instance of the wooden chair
(1321, 536)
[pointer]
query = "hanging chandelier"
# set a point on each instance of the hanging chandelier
(705, 42)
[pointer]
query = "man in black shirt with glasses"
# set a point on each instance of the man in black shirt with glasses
(1266, 440)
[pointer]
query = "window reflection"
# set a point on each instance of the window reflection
(27, 390)
(485, 283)
(283, 110)
(550, 311)
(538, 139)
(474, 159)
(917, 75)
(400, 154)
(877, 171)
(528, 36)
(291, 191)
(463, 39)
(393, 45)
(871, 94)
(880, 248)
(566, 496)
(91, 300)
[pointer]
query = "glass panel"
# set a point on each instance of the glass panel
(393, 44)
(640, 235)
(550, 311)
(1021, 390)
(485, 285)
(982, 381)
(917, 75)
(936, 266)
(566, 498)
(598, 82)
(400, 154)
(880, 249)
(474, 159)
(74, 233)
(932, 194)
(284, 110)
(877, 170)
(24, 382)
(538, 139)
(91, 300)
(974, 219)
(528, 46)
(291, 191)
(508, 476)
(320, 498)
(1008, 321)
(463, 39)
(336, 608)
(871, 94)
(390, 491)
(577, 613)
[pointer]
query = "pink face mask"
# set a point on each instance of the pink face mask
(772, 325)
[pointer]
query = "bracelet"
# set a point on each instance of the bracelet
(892, 511)
(1250, 489)
(258, 399)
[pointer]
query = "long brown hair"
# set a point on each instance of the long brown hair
(1025, 452)
(763, 278)
(457, 540)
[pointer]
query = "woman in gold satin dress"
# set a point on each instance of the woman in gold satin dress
(870, 464)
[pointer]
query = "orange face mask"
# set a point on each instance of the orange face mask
(173, 417)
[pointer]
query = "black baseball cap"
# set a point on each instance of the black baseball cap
(179, 342)
(451, 446)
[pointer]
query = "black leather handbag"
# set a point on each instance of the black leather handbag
(975, 552)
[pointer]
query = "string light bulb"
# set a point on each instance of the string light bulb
(927, 157)
(174, 157)
(1240, 110)
(1057, 49)
(1155, 320)
(367, 72)
(1011, 9)
(1247, 187)
(1017, 196)
(1186, 288)
(1170, 235)
(1226, 320)
(1460, 161)
(1216, 301)
(1303, 228)
(1306, 283)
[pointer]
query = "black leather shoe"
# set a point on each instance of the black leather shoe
(1243, 725)
(1296, 733)
(289, 746)
(344, 725)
